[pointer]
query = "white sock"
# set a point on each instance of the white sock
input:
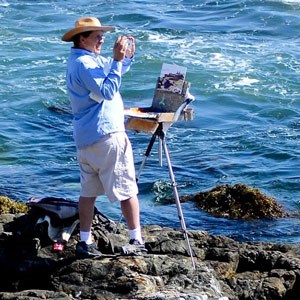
(86, 236)
(136, 234)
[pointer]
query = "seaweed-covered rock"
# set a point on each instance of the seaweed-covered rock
(8, 206)
(237, 202)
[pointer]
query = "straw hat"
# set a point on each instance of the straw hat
(85, 24)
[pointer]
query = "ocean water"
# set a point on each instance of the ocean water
(242, 60)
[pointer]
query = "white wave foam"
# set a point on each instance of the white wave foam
(290, 1)
(4, 3)
(246, 81)
(33, 39)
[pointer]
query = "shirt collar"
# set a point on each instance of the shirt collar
(80, 51)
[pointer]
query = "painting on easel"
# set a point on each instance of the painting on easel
(172, 78)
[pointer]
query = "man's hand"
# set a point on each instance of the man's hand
(124, 47)
(120, 48)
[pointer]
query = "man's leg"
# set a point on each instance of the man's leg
(86, 214)
(131, 211)
(85, 247)
(86, 207)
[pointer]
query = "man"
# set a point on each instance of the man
(104, 152)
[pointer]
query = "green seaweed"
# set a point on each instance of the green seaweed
(237, 202)
(9, 206)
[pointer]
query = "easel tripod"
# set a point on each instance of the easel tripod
(160, 134)
(167, 108)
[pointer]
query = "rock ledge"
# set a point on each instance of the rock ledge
(225, 269)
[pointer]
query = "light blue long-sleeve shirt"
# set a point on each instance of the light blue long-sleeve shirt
(93, 84)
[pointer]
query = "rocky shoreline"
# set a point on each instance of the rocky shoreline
(225, 268)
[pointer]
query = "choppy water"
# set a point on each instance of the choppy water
(243, 66)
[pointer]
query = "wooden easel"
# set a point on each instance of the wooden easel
(167, 108)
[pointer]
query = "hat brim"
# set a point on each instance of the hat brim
(68, 36)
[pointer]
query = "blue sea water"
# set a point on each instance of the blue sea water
(242, 60)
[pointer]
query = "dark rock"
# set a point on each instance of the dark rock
(225, 268)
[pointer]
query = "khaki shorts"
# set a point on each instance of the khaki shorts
(107, 167)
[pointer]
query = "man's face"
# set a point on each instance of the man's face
(93, 42)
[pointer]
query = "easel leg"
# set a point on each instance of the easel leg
(178, 205)
(147, 153)
(160, 152)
